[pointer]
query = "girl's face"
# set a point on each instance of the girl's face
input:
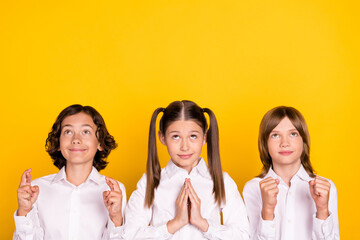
(78, 141)
(184, 141)
(285, 145)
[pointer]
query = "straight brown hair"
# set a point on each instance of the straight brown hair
(184, 110)
(270, 120)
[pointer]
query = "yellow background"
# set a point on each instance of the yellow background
(125, 58)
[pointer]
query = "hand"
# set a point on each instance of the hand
(195, 209)
(269, 191)
(320, 191)
(26, 194)
(181, 217)
(113, 201)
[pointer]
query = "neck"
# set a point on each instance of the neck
(77, 174)
(286, 172)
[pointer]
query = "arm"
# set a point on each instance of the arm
(236, 225)
(325, 220)
(26, 217)
(259, 228)
(138, 217)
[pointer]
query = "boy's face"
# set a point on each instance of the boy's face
(78, 140)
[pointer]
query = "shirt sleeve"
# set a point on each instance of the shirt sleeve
(235, 221)
(112, 232)
(328, 229)
(259, 229)
(138, 217)
(28, 227)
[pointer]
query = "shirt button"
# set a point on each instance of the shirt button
(290, 193)
(289, 220)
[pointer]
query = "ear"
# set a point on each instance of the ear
(205, 137)
(161, 138)
(100, 148)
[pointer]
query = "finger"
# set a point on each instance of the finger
(115, 184)
(266, 180)
(105, 194)
(109, 183)
(322, 181)
(182, 192)
(193, 193)
(184, 197)
(321, 191)
(25, 178)
(25, 195)
(277, 181)
(269, 187)
(25, 188)
(312, 189)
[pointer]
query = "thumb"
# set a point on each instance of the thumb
(35, 193)
(311, 186)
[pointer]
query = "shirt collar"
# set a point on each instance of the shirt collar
(301, 173)
(202, 169)
(93, 176)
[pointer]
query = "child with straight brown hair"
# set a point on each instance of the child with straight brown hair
(287, 200)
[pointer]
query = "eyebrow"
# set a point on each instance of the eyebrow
(287, 130)
(193, 131)
(84, 125)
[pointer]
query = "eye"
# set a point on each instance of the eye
(294, 134)
(175, 137)
(193, 136)
(86, 132)
(67, 132)
(274, 135)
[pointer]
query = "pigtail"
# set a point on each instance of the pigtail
(214, 158)
(153, 169)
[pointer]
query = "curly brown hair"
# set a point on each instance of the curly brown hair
(106, 141)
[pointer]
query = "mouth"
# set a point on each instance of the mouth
(285, 153)
(77, 150)
(185, 156)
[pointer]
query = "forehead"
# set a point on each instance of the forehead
(184, 126)
(284, 125)
(78, 119)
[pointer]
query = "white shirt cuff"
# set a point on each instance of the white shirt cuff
(24, 224)
(267, 228)
(323, 228)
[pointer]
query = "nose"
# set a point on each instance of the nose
(184, 145)
(76, 139)
(284, 142)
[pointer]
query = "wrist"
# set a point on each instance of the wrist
(203, 225)
(174, 225)
(267, 214)
(117, 220)
(22, 212)
(322, 213)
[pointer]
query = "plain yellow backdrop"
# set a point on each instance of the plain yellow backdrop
(125, 58)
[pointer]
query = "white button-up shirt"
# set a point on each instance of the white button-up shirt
(295, 211)
(65, 211)
(150, 223)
